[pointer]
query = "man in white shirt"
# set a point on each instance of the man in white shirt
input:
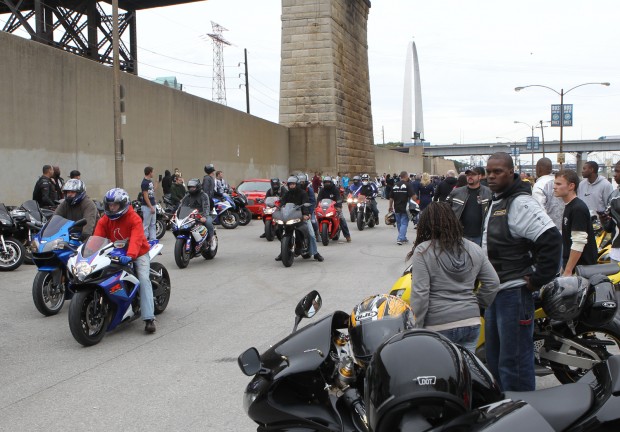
(543, 192)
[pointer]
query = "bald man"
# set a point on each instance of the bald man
(543, 192)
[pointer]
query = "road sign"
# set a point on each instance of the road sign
(515, 151)
(561, 158)
(530, 141)
(556, 115)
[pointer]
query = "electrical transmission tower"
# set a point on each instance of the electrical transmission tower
(219, 80)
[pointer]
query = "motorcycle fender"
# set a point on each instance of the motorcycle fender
(155, 250)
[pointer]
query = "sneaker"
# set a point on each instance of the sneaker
(149, 326)
(405, 241)
(318, 257)
(377, 221)
(348, 239)
(279, 257)
(262, 235)
(399, 242)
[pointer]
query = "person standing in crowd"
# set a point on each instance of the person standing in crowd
(344, 182)
(444, 296)
(460, 181)
(316, 181)
(147, 199)
(44, 190)
(425, 191)
(220, 184)
(75, 174)
(177, 190)
(543, 192)
(524, 247)
(611, 217)
(483, 175)
(177, 173)
(578, 242)
(399, 198)
(58, 182)
(208, 182)
(389, 185)
(470, 204)
(166, 183)
(445, 187)
(594, 189)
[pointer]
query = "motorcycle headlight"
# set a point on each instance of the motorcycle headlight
(82, 269)
(359, 204)
(349, 200)
(293, 221)
(355, 200)
(267, 210)
(329, 214)
(279, 222)
(54, 245)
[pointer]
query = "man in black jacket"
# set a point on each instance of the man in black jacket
(399, 199)
(330, 191)
(44, 190)
(445, 187)
(524, 246)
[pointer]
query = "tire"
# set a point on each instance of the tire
(360, 223)
(160, 282)
(47, 300)
(325, 234)
(210, 253)
(245, 216)
(160, 229)
(181, 256)
(229, 219)
(610, 332)
(371, 221)
(286, 249)
(269, 230)
(13, 256)
(352, 214)
(89, 317)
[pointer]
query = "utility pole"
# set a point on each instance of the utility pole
(247, 81)
(116, 99)
(219, 79)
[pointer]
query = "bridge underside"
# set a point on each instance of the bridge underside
(81, 27)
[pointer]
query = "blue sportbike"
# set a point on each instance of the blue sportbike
(224, 212)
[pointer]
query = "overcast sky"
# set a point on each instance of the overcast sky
(472, 55)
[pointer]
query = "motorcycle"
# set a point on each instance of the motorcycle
(271, 228)
(108, 293)
(161, 218)
(52, 247)
(328, 219)
(12, 250)
(224, 213)
(308, 381)
(29, 218)
(566, 349)
(241, 201)
(414, 212)
(364, 216)
(352, 204)
(294, 239)
(169, 209)
(191, 237)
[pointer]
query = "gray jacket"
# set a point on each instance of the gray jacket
(458, 198)
(442, 284)
(596, 194)
(86, 209)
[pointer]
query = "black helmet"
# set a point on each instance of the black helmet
(564, 297)
(356, 179)
(77, 186)
(328, 182)
(209, 168)
(436, 383)
(601, 304)
(275, 183)
(194, 187)
(375, 320)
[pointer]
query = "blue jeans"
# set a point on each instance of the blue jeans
(148, 222)
(312, 247)
(509, 330)
(464, 336)
(142, 267)
(402, 222)
(477, 240)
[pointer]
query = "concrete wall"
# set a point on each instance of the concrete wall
(391, 161)
(56, 108)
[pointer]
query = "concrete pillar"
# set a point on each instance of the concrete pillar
(324, 84)
(579, 161)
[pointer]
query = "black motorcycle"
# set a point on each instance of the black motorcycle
(363, 215)
(294, 240)
(417, 380)
(12, 250)
(241, 201)
(26, 221)
(161, 218)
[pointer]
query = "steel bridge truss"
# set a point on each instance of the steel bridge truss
(81, 27)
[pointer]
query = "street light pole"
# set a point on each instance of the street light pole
(531, 143)
(542, 132)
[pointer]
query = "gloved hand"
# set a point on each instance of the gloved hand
(124, 260)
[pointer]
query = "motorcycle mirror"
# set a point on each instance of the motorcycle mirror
(249, 362)
(309, 305)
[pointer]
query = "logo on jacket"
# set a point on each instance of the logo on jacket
(426, 380)
(499, 212)
(117, 234)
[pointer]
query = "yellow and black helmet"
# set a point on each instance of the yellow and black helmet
(375, 320)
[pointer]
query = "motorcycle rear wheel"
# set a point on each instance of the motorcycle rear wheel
(211, 251)
(325, 234)
(160, 229)
(181, 256)
(610, 332)
(245, 216)
(162, 278)
(47, 299)
(286, 248)
(269, 231)
(13, 256)
(89, 317)
(229, 219)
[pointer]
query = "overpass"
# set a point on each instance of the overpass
(581, 146)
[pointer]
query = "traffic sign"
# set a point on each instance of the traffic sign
(556, 115)
(530, 141)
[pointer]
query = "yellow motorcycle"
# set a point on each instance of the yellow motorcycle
(567, 350)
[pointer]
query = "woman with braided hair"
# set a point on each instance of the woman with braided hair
(446, 266)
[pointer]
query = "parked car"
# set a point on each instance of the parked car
(255, 190)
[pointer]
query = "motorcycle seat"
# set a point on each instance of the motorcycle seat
(588, 271)
(560, 406)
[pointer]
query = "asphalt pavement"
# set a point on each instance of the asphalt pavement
(185, 376)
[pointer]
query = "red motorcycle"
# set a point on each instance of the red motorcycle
(271, 228)
(328, 219)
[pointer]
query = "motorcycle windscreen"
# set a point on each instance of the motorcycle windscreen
(184, 212)
(325, 203)
(93, 245)
(289, 211)
(5, 216)
(271, 201)
(55, 224)
(32, 207)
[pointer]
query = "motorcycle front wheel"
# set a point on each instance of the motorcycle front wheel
(286, 248)
(229, 219)
(352, 214)
(245, 216)
(604, 341)
(160, 280)
(89, 317)
(181, 256)
(211, 251)
(160, 229)
(12, 254)
(325, 234)
(269, 231)
(47, 298)
(360, 222)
